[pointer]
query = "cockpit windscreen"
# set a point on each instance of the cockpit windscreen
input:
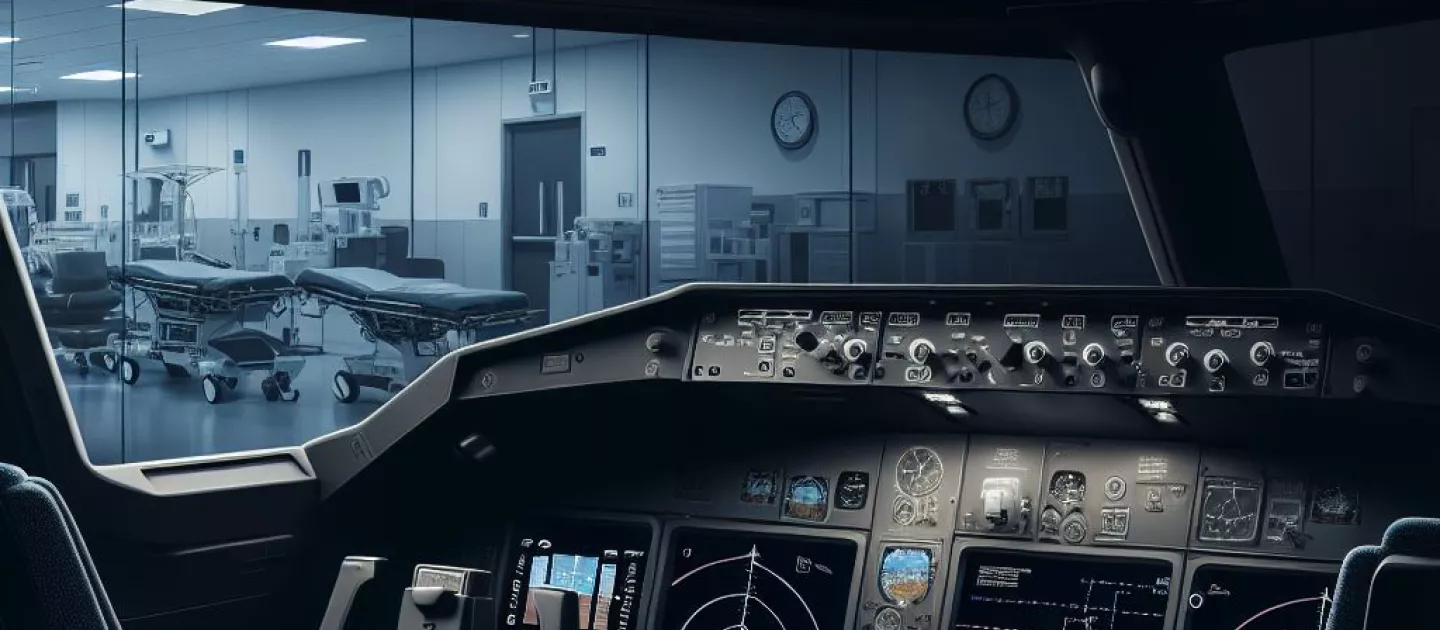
(1026, 591)
(738, 579)
(1229, 598)
(604, 562)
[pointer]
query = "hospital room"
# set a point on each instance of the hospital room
(249, 226)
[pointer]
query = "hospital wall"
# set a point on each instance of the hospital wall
(667, 111)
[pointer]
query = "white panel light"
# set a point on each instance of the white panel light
(316, 42)
(9, 40)
(100, 75)
(190, 8)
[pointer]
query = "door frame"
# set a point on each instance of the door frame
(507, 131)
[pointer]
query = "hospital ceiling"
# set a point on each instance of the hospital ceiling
(226, 50)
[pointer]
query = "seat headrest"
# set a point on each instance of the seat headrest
(11, 476)
(1413, 536)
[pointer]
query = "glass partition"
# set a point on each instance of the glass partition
(284, 217)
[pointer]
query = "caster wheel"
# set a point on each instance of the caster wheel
(106, 360)
(212, 387)
(129, 371)
(270, 390)
(294, 395)
(345, 388)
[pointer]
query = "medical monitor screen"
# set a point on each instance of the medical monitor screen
(347, 192)
(1034, 591)
(1229, 598)
(736, 579)
(604, 562)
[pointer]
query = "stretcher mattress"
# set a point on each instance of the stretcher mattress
(366, 286)
(198, 278)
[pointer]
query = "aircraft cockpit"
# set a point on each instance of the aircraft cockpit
(714, 387)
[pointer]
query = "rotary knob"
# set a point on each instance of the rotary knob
(1177, 354)
(1216, 360)
(655, 343)
(1036, 352)
(854, 349)
(1261, 353)
(1093, 355)
(921, 350)
(1074, 529)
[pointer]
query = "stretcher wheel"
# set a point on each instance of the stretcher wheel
(345, 388)
(105, 359)
(129, 371)
(270, 389)
(212, 387)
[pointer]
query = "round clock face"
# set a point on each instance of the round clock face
(991, 107)
(919, 471)
(793, 120)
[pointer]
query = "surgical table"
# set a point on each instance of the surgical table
(79, 308)
(199, 326)
(414, 316)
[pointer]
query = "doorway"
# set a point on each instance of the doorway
(543, 189)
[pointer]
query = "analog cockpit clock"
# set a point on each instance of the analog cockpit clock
(919, 471)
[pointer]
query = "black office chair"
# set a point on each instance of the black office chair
(49, 581)
(1407, 538)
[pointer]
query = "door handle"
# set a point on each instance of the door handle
(542, 209)
(560, 206)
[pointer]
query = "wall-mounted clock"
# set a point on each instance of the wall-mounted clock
(792, 122)
(991, 107)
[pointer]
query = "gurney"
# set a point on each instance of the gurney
(199, 326)
(414, 316)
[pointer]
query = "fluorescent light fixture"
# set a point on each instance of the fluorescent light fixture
(521, 36)
(942, 398)
(189, 8)
(100, 75)
(316, 42)
(9, 40)
(957, 410)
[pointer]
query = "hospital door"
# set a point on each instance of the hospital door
(543, 200)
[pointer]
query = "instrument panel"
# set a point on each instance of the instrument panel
(1018, 346)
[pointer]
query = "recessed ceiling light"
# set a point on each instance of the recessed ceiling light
(9, 40)
(6, 89)
(100, 75)
(177, 7)
(316, 42)
(521, 35)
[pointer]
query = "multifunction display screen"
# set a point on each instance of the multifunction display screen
(735, 579)
(1229, 598)
(1028, 591)
(604, 562)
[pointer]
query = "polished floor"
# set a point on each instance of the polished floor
(160, 417)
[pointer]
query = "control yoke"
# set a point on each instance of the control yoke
(557, 609)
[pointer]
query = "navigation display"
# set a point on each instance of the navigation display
(1031, 591)
(1229, 598)
(735, 579)
(604, 562)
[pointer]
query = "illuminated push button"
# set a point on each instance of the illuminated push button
(1216, 360)
(1177, 354)
(1093, 355)
(1261, 353)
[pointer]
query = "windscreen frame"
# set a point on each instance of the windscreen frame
(963, 544)
(1194, 562)
(514, 532)
(674, 526)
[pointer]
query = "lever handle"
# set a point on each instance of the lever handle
(355, 571)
